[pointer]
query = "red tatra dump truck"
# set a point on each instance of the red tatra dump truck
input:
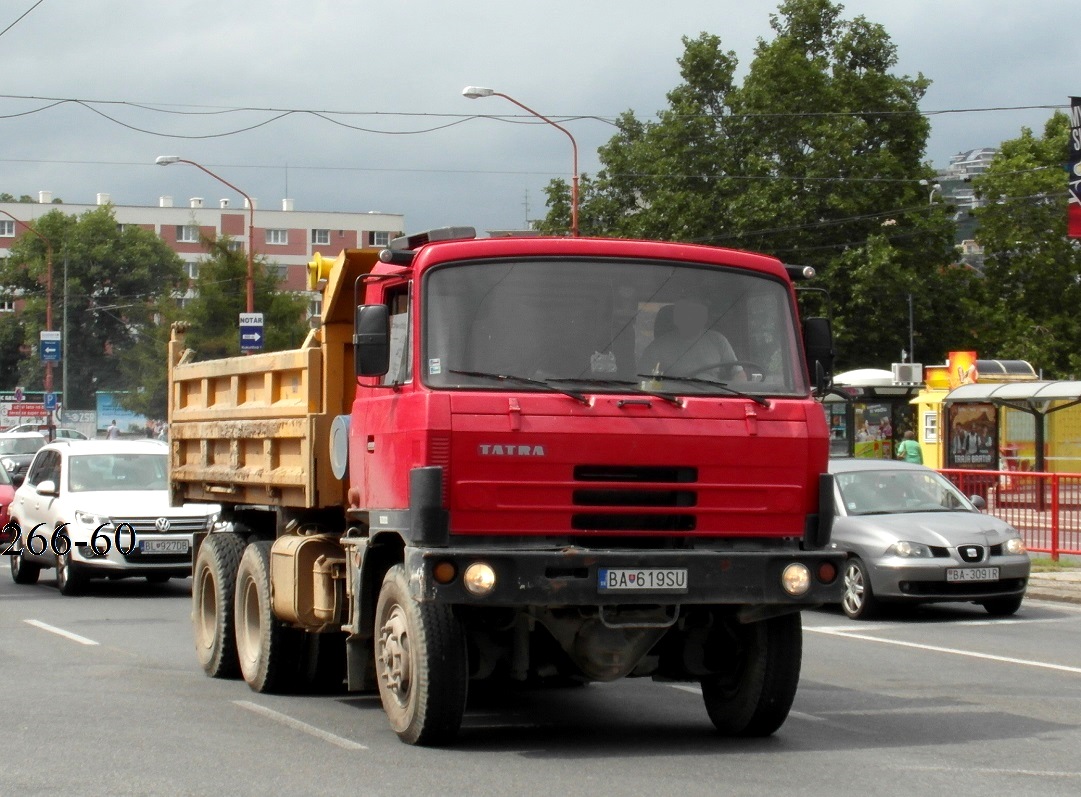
(517, 459)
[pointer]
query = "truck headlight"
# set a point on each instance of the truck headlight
(479, 578)
(796, 579)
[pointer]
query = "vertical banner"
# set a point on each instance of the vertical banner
(1073, 208)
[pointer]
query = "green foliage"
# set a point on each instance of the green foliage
(1033, 270)
(221, 295)
(815, 157)
(112, 280)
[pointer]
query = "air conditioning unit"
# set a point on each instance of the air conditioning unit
(907, 373)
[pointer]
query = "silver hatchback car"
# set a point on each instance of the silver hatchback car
(912, 536)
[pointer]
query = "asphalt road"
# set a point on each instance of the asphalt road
(104, 697)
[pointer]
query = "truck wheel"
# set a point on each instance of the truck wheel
(420, 658)
(70, 580)
(213, 584)
(265, 646)
(22, 571)
(755, 699)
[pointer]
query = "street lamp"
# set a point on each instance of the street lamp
(934, 187)
(475, 92)
(48, 297)
(166, 160)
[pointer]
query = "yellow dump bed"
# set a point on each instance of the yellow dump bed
(255, 429)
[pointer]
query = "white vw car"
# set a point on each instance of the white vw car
(101, 509)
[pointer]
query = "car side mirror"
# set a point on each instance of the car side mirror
(978, 502)
(47, 487)
(371, 340)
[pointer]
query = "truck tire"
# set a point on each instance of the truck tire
(266, 648)
(756, 700)
(420, 660)
(213, 585)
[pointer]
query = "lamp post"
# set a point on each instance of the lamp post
(475, 92)
(166, 160)
(48, 297)
(934, 187)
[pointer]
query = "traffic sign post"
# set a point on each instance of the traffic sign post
(251, 331)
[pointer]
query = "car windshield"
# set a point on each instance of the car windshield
(613, 326)
(21, 445)
(112, 472)
(873, 492)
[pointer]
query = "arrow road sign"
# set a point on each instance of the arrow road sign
(251, 331)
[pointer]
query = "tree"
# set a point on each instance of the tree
(214, 312)
(114, 280)
(815, 157)
(1032, 269)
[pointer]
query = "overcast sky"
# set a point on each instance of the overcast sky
(152, 78)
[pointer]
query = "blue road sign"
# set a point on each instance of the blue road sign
(50, 351)
(50, 402)
(251, 331)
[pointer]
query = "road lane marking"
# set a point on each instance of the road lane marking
(937, 649)
(52, 629)
(295, 724)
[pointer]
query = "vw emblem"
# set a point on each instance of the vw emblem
(162, 524)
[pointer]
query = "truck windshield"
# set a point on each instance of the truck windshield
(612, 326)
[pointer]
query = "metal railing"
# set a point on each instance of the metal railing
(1044, 507)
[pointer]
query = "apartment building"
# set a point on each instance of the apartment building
(286, 237)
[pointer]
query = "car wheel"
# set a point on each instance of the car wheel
(858, 601)
(1003, 607)
(22, 571)
(213, 585)
(70, 579)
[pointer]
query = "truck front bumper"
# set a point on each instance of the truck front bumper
(579, 577)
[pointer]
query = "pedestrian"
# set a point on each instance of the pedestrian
(909, 449)
(112, 432)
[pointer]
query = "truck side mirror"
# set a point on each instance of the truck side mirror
(371, 340)
(818, 345)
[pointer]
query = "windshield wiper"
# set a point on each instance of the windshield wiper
(522, 380)
(694, 380)
(669, 397)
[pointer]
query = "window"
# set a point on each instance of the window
(321, 237)
(187, 234)
(193, 270)
(277, 237)
(315, 306)
(235, 245)
(930, 427)
(7, 229)
(7, 306)
(378, 238)
(278, 271)
(400, 348)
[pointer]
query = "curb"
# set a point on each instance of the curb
(1063, 588)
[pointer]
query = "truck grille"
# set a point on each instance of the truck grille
(628, 498)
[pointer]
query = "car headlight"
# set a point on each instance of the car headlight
(90, 519)
(909, 550)
(1014, 545)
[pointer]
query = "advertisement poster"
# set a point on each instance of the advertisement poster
(961, 367)
(973, 436)
(110, 409)
(1073, 207)
(874, 432)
